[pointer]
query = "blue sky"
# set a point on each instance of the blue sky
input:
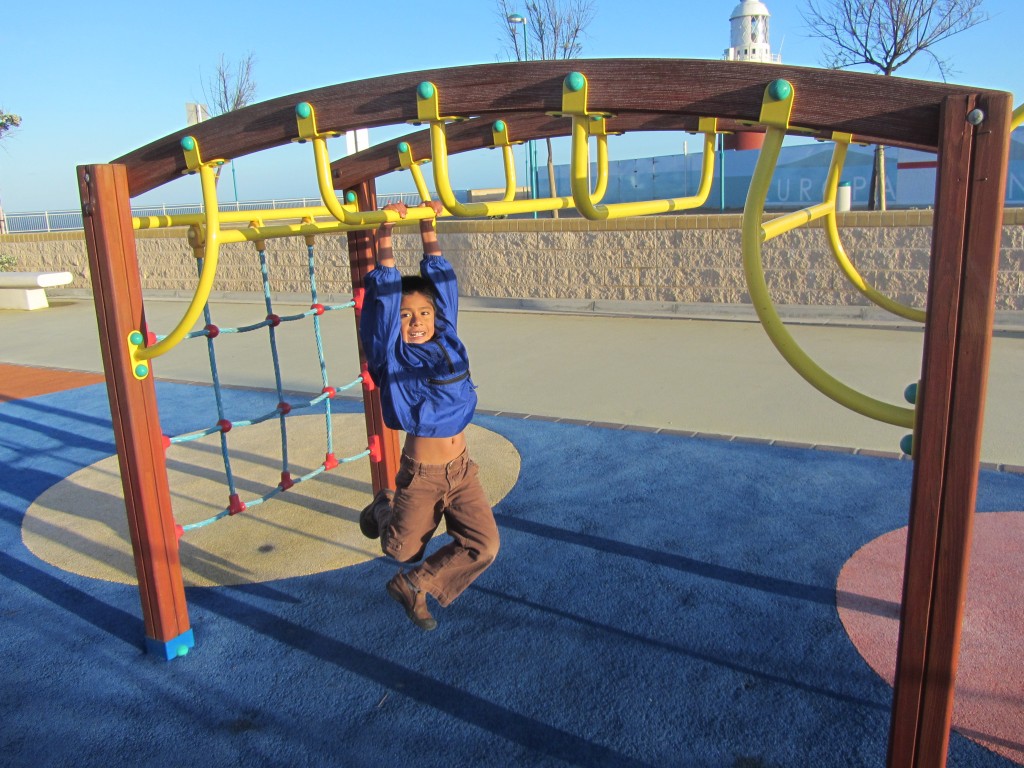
(95, 80)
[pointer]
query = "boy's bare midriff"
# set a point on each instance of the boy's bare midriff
(435, 450)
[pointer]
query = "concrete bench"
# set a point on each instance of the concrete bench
(27, 290)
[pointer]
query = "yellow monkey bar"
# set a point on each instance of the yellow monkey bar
(428, 111)
(584, 125)
(346, 214)
(775, 112)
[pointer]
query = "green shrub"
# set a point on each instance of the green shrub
(6, 263)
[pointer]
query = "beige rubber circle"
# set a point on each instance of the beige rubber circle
(80, 524)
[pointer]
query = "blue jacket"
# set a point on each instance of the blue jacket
(425, 388)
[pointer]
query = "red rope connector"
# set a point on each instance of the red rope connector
(166, 440)
(364, 374)
(286, 481)
(284, 408)
(150, 339)
(235, 504)
(319, 308)
(179, 531)
(274, 320)
(329, 391)
(330, 462)
(375, 451)
(225, 425)
(358, 297)
(212, 331)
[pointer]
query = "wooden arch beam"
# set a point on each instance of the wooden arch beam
(888, 110)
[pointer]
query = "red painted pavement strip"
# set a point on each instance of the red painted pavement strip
(21, 381)
(989, 702)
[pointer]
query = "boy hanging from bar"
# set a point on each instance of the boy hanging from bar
(414, 354)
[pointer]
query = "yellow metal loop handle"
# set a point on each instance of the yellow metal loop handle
(773, 325)
(348, 215)
(579, 177)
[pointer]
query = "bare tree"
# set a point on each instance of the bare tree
(551, 29)
(231, 87)
(885, 35)
(7, 122)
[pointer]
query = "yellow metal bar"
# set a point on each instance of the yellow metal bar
(775, 114)
(347, 214)
(836, 245)
(406, 160)
(579, 179)
(585, 124)
(429, 112)
(208, 182)
(827, 210)
(1017, 118)
(233, 217)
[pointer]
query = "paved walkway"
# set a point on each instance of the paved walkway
(711, 376)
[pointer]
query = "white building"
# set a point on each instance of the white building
(748, 39)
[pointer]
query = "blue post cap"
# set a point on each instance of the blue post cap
(499, 126)
(303, 109)
(575, 81)
(907, 444)
(845, 183)
(425, 89)
(188, 143)
(403, 146)
(780, 89)
(910, 393)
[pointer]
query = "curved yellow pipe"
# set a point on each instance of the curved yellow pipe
(773, 325)
(586, 204)
(1017, 118)
(439, 156)
(827, 210)
(208, 180)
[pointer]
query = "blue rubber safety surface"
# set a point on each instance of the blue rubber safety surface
(658, 601)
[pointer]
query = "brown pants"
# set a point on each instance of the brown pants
(425, 494)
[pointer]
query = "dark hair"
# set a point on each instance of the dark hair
(419, 284)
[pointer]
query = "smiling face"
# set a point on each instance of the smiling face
(417, 315)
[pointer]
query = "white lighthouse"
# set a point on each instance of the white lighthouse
(748, 39)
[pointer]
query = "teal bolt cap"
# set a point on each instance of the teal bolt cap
(425, 90)
(780, 89)
(141, 370)
(303, 109)
(350, 197)
(910, 393)
(403, 146)
(188, 143)
(575, 81)
(907, 444)
(136, 338)
(499, 126)
(182, 651)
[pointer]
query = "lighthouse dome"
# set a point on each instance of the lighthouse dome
(750, 8)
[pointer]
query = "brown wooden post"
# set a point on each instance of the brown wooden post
(947, 445)
(361, 250)
(117, 294)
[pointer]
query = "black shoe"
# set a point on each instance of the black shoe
(368, 517)
(414, 601)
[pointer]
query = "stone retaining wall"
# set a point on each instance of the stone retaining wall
(661, 263)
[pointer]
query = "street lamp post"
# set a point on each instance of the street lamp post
(531, 160)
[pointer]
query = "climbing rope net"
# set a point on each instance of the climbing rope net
(285, 407)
